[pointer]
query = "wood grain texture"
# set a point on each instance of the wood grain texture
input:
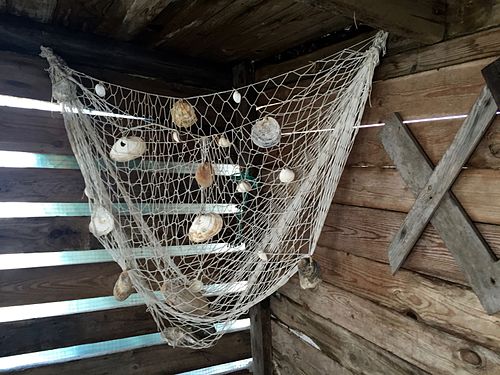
(260, 336)
(491, 74)
(154, 360)
(447, 306)
(33, 335)
(466, 17)
(348, 350)
(367, 232)
(293, 356)
(33, 235)
(431, 350)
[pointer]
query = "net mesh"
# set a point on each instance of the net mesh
(209, 202)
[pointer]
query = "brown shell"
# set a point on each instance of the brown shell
(123, 287)
(183, 299)
(183, 114)
(309, 273)
(204, 175)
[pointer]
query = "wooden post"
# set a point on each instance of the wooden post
(261, 339)
(491, 74)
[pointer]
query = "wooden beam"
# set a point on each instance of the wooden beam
(260, 333)
(466, 140)
(491, 74)
(423, 21)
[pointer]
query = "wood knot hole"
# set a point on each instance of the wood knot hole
(470, 357)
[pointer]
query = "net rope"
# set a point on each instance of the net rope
(207, 203)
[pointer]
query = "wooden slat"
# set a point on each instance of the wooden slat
(444, 305)
(431, 350)
(158, 359)
(48, 284)
(352, 352)
(42, 234)
(367, 232)
(33, 335)
(465, 17)
(260, 334)
(294, 356)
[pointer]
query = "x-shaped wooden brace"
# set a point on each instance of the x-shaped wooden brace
(435, 203)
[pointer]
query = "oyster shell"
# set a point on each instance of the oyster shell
(222, 141)
(183, 114)
(101, 222)
(266, 132)
(204, 227)
(204, 175)
(287, 175)
(184, 299)
(127, 148)
(309, 273)
(123, 287)
(243, 186)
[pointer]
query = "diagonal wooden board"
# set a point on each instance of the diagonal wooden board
(450, 220)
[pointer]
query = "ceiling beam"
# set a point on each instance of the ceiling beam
(423, 21)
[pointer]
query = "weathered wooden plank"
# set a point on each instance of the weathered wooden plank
(431, 350)
(476, 189)
(444, 305)
(154, 360)
(348, 350)
(33, 335)
(260, 334)
(443, 176)
(367, 232)
(49, 284)
(293, 356)
(41, 234)
(458, 232)
(423, 22)
(465, 17)
(491, 74)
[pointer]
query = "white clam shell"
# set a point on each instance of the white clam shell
(88, 193)
(123, 287)
(287, 175)
(196, 286)
(237, 96)
(243, 186)
(176, 137)
(266, 132)
(100, 90)
(222, 141)
(183, 114)
(204, 227)
(127, 148)
(101, 222)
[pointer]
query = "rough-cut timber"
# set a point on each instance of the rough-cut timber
(260, 333)
(466, 140)
(450, 220)
(491, 74)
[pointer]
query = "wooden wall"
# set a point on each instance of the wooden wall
(425, 319)
(34, 131)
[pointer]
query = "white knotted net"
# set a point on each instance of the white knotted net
(208, 203)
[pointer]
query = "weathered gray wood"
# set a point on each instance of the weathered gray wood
(491, 74)
(467, 138)
(261, 339)
(450, 220)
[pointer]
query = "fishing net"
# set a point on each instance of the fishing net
(208, 203)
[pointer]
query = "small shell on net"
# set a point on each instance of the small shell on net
(243, 186)
(266, 132)
(236, 96)
(185, 300)
(223, 142)
(101, 222)
(309, 273)
(176, 137)
(123, 287)
(183, 114)
(204, 227)
(287, 175)
(204, 175)
(262, 256)
(127, 148)
(100, 90)
(196, 286)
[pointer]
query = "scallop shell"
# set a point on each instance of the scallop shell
(266, 132)
(127, 148)
(101, 222)
(222, 141)
(204, 227)
(243, 187)
(123, 287)
(309, 273)
(100, 90)
(185, 300)
(183, 114)
(204, 175)
(287, 175)
(236, 96)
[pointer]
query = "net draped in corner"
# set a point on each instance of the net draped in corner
(254, 170)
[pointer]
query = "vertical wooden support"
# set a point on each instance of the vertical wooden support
(261, 339)
(491, 74)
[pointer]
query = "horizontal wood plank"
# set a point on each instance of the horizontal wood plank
(158, 359)
(431, 350)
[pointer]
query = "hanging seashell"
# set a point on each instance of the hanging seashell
(100, 90)
(177, 336)
(309, 273)
(236, 97)
(88, 193)
(176, 137)
(222, 141)
(287, 175)
(204, 175)
(243, 186)
(196, 286)
(204, 227)
(123, 287)
(185, 300)
(183, 114)
(127, 148)
(262, 256)
(101, 222)
(266, 132)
